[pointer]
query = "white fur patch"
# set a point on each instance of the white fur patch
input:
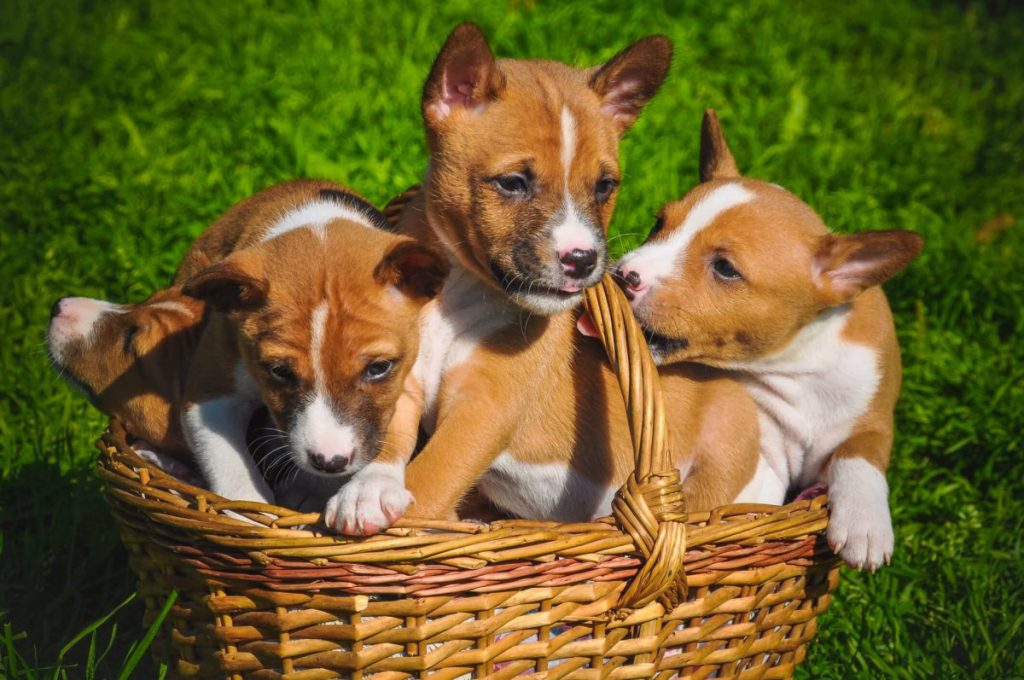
(859, 526)
(548, 491)
(468, 312)
(315, 215)
(171, 306)
(318, 322)
(568, 143)
(317, 430)
(809, 395)
(572, 232)
(658, 259)
(371, 501)
(77, 320)
(215, 432)
(764, 487)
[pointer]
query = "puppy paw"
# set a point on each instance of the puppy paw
(859, 527)
(374, 499)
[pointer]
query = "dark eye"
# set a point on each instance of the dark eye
(604, 188)
(128, 341)
(512, 186)
(378, 369)
(659, 224)
(724, 269)
(281, 371)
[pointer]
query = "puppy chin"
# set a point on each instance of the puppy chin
(547, 303)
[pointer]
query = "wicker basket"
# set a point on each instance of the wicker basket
(649, 592)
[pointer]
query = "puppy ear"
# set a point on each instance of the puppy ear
(629, 79)
(716, 161)
(845, 266)
(229, 285)
(417, 271)
(464, 76)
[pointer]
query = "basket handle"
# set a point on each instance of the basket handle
(650, 506)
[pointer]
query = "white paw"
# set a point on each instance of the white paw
(859, 526)
(374, 499)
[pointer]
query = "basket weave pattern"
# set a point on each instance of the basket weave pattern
(650, 592)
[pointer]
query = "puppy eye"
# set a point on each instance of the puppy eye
(724, 270)
(378, 369)
(281, 372)
(659, 224)
(604, 188)
(128, 340)
(515, 185)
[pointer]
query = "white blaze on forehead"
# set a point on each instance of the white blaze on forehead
(317, 428)
(316, 344)
(573, 232)
(172, 306)
(568, 143)
(656, 260)
(315, 215)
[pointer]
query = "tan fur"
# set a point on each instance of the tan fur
(532, 388)
(788, 259)
(132, 365)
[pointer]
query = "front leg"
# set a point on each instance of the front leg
(215, 431)
(375, 497)
(860, 526)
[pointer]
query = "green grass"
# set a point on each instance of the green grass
(127, 126)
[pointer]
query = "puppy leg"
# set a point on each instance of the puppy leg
(859, 527)
(215, 431)
(376, 497)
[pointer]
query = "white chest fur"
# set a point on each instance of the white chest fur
(809, 397)
(451, 328)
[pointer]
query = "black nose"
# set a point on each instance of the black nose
(55, 310)
(579, 263)
(633, 279)
(320, 462)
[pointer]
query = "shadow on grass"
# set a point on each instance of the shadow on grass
(62, 567)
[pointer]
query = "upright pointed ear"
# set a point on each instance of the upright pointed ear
(464, 75)
(845, 266)
(417, 271)
(233, 284)
(629, 79)
(716, 161)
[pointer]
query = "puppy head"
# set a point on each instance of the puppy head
(128, 359)
(524, 162)
(732, 271)
(327, 323)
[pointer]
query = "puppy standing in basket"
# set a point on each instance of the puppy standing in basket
(315, 315)
(519, 191)
(742, 275)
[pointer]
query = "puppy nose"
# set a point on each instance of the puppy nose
(324, 464)
(632, 279)
(631, 283)
(55, 310)
(578, 263)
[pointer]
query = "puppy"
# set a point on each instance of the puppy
(314, 314)
(742, 275)
(130, 361)
(520, 187)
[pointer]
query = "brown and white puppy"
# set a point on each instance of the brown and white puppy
(742, 275)
(130, 361)
(520, 187)
(314, 314)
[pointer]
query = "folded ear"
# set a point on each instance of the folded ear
(232, 284)
(629, 79)
(845, 266)
(716, 161)
(464, 75)
(417, 271)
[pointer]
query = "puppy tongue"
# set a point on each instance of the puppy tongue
(585, 325)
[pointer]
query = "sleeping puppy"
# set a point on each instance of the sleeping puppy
(742, 275)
